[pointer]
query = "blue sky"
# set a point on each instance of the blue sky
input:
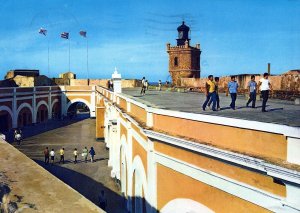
(236, 36)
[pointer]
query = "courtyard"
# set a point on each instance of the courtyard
(86, 178)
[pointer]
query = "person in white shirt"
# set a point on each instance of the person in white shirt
(52, 154)
(265, 87)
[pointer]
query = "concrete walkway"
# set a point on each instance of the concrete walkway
(26, 187)
(279, 111)
(87, 178)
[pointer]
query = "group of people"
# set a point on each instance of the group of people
(85, 152)
(145, 86)
(212, 92)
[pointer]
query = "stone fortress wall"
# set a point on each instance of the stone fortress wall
(284, 85)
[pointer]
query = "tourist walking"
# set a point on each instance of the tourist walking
(217, 79)
(210, 93)
(85, 154)
(92, 154)
(252, 87)
(52, 155)
(143, 86)
(147, 85)
(62, 155)
(265, 86)
(102, 200)
(46, 154)
(18, 136)
(159, 85)
(75, 155)
(232, 89)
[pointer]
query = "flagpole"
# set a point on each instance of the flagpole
(48, 59)
(69, 55)
(87, 57)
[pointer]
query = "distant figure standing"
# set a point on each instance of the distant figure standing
(147, 85)
(143, 86)
(265, 86)
(46, 154)
(62, 155)
(210, 93)
(52, 155)
(18, 136)
(85, 154)
(232, 89)
(75, 155)
(217, 79)
(252, 87)
(159, 85)
(92, 153)
(102, 200)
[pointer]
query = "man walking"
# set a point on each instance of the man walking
(75, 155)
(232, 89)
(85, 154)
(252, 86)
(143, 86)
(159, 85)
(265, 86)
(62, 155)
(46, 154)
(210, 93)
(217, 79)
(52, 154)
(92, 154)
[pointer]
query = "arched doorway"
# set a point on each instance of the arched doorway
(42, 113)
(78, 110)
(24, 117)
(5, 119)
(56, 110)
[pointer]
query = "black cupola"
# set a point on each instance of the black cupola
(183, 34)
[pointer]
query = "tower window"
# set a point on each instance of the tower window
(175, 61)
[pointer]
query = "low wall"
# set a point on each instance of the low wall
(126, 83)
(289, 81)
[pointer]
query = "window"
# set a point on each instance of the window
(175, 61)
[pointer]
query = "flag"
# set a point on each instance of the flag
(64, 35)
(43, 31)
(82, 33)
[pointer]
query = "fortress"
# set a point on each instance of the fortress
(174, 159)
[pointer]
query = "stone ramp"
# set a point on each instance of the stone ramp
(33, 189)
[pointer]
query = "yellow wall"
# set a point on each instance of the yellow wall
(137, 149)
(172, 185)
(252, 178)
(242, 140)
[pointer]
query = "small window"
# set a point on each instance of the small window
(175, 61)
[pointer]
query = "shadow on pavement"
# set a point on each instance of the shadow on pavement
(86, 186)
(36, 129)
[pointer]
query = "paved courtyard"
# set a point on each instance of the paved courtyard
(87, 178)
(279, 111)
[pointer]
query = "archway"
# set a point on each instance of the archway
(42, 112)
(24, 117)
(5, 119)
(123, 171)
(78, 109)
(185, 205)
(56, 109)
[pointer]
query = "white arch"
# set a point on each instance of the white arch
(7, 109)
(140, 182)
(41, 103)
(124, 164)
(182, 205)
(23, 105)
(78, 100)
(52, 104)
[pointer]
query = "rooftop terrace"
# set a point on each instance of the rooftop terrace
(279, 111)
